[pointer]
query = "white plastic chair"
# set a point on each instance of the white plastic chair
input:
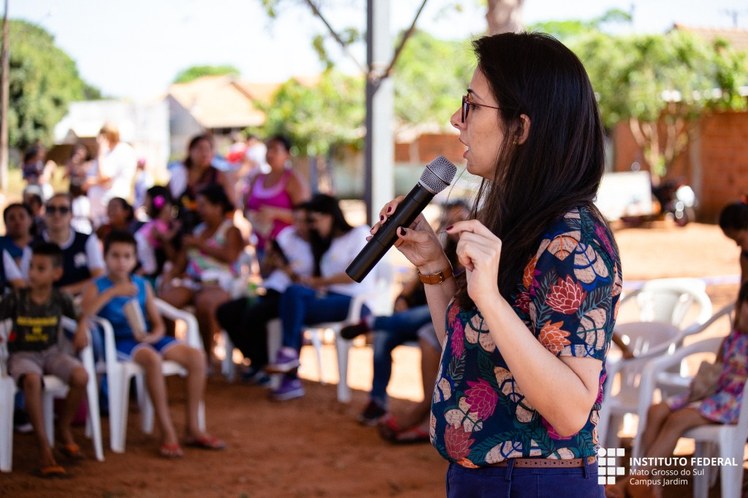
(379, 302)
(664, 305)
(646, 340)
(671, 300)
(120, 372)
(53, 388)
(723, 440)
(668, 382)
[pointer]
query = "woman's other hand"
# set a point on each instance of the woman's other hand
(479, 252)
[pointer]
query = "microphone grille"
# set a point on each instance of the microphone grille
(438, 175)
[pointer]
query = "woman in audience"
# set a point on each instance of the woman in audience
(120, 216)
(733, 220)
(191, 176)
(324, 297)
(210, 264)
(112, 174)
(287, 259)
(271, 195)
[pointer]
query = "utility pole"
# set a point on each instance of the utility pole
(379, 148)
(4, 89)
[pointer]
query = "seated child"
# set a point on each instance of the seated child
(107, 296)
(667, 421)
(35, 350)
(156, 238)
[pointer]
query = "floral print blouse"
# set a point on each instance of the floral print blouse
(568, 298)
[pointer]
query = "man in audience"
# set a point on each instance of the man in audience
(82, 258)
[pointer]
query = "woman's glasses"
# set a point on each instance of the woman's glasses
(466, 103)
(56, 209)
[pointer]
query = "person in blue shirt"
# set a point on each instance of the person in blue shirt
(107, 296)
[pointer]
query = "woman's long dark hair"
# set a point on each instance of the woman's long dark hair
(325, 204)
(559, 165)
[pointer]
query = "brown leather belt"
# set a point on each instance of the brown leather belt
(547, 462)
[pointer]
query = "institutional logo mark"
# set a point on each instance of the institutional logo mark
(607, 465)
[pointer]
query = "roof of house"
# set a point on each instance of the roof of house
(222, 101)
(738, 38)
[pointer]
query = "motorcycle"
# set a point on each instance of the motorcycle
(677, 201)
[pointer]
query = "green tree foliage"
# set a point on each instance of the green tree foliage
(660, 84)
(43, 80)
(320, 117)
(195, 72)
(430, 77)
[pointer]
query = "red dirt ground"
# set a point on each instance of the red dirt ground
(313, 446)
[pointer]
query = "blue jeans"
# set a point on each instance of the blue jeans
(390, 332)
(509, 481)
(301, 305)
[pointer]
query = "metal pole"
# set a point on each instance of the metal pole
(379, 182)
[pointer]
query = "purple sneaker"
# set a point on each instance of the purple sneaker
(289, 389)
(286, 360)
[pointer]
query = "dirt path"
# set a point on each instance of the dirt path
(313, 446)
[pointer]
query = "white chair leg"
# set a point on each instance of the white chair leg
(316, 337)
(7, 405)
(732, 480)
(701, 482)
(119, 387)
(342, 348)
(93, 423)
(228, 369)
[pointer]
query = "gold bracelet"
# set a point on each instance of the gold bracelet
(435, 278)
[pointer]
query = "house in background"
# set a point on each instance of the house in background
(219, 104)
(144, 125)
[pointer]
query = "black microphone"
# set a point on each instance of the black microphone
(435, 178)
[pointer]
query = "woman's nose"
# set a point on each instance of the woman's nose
(456, 119)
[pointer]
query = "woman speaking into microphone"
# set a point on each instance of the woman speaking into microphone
(526, 328)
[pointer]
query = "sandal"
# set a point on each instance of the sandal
(72, 451)
(388, 427)
(412, 436)
(171, 450)
(205, 442)
(52, 472)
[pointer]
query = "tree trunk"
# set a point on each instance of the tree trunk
(504, 16)
(5, 67)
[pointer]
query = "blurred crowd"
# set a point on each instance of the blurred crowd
(238, 247)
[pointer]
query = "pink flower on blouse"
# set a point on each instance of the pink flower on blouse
(457, 339)
(482, 398)
(522, 302)
(566, 296)
(458, 442)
